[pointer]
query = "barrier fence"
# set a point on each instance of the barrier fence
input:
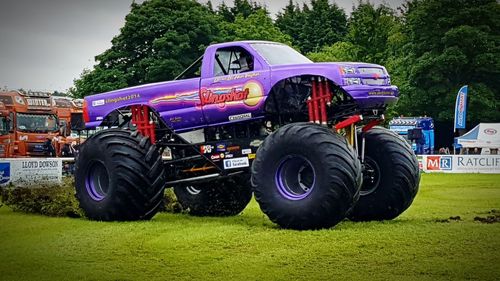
(487, 164)
(39, 171)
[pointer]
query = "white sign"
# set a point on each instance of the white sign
(240, 116)
(98, 102)
(234, 163)
(30, 171)
(461, 163)
(38, 102)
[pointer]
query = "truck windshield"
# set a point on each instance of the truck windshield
(4, 126)
(40, 123)
(277, 54)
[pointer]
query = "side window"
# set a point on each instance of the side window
(232, 61)
(193, 71)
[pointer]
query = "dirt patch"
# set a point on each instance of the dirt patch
(455, 218)
(492, 217)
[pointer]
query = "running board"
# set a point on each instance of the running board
(202, 178)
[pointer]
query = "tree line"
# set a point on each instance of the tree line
(430, 47)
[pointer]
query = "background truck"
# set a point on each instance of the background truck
(71, 123)
(250, 117)
(418, 131)
(31, 122)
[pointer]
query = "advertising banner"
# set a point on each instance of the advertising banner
(30, 171)
(489, 164)
(461, 108)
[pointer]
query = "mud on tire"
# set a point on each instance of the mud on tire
(119, 176)
(225, 197)
(390, 177)
(306, 177)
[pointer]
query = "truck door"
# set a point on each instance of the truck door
(235, 90)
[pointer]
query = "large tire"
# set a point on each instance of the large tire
(390, 177)
(119, 176)
(226, 197)
(306, 177)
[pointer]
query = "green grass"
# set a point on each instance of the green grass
(415, 246)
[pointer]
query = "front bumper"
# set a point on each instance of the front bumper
(373, 96)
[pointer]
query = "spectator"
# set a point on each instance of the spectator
(49, 148)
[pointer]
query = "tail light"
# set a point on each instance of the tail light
(86, 117)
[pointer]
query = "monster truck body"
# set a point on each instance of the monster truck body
(236, 98)
(195, 103)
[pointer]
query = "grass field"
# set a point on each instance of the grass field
(422, 244)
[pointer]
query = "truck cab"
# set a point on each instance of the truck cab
(31, 121)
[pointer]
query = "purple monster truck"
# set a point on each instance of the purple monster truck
(250, 117)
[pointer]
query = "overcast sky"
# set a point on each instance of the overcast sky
(45, 44)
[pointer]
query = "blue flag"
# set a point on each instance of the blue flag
(461, 108)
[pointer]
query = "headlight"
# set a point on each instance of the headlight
(352, 81)
(348, 70)
(388, 81)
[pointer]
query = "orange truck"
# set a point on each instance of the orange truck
(70, 114)
(29, 124)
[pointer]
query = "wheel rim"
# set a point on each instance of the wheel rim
(192, 190)
(371, 177)
(295, 177)
(97, 181)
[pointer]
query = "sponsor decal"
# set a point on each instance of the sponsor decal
(240, 116)
(439, 163)
(4, 172)
(461, 108)
(233, 148)
(246, 151)
(99, 118)
(215, 157)
(251, 156)
(250, 94)
(98, 102)
(256, 143)
(236, 76)
(381, 93)
(124, 98)
(205, 149)
(19, 100)
(229, 155)
(209, 97)
(189, 96)
(221, 147)
(222, 155)
(490, 131)
(234, 163)
(175, 119)
(477, 162)
(23, 138)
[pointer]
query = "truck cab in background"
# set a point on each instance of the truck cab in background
(31, 124)
(70, 114)
(417, 131)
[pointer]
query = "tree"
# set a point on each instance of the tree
(159, 39)
(340, 51)
(311, 29)
(242, 8)
(369, 29)
(325, 24)
(291, 22)
(450, 44)
(257, 26)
